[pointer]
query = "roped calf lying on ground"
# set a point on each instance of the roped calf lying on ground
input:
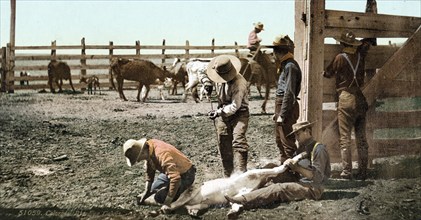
(213, 192)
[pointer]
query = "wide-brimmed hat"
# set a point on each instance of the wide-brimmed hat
(299, 126)
(282, 41)
(348, 38)
(133, 150)
(223, 68)
(259, 25)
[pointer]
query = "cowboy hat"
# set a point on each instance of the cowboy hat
(300, 126)
(134, 150)
(348, 38)
(223, 68)
(259, 25)
(282, 41)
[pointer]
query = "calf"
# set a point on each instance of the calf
(213, 192)
(22, 82)
(92, 82)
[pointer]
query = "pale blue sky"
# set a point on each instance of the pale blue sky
(39, 22)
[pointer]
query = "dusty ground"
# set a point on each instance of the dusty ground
(94, 182)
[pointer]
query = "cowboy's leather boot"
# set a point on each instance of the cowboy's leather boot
(240, 159)
(225, 149)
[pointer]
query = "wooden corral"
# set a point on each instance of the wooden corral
(397, 74)
(87, 63)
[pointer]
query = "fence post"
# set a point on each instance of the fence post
(137, 48)
(187, 55)
(163, 52)
(110, 71)
(83, 59)
(236, 49)
(213, 47)
(10, 74)
(3, 71)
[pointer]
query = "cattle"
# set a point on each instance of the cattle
(23, 74)
(178, 75)
(59, 70)
(92, 82)
(196, 71)
(213, 192)
(143, 71)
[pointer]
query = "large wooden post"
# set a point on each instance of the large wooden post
(110, 71)
(83, 59)
(309, 52)
(3, 71)
(11, 49)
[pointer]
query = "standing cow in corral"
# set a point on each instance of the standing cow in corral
(196, 71)
(143, 71)
(179, 75)
(59, 70)
(22, 74)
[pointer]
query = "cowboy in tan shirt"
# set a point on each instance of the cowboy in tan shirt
(177, 172)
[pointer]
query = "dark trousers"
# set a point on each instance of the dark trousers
(352, 108)
(281, 192)
(286, 145)
(232, 140)
(161, 185)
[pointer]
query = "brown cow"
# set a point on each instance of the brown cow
(143, 71)
(59, 70)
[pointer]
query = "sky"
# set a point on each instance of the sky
(38, 22)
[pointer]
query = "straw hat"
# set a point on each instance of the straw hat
(348, 38)
(133, 150)
(259, 25)
(299, 126)
(223, 68)
(282, 41)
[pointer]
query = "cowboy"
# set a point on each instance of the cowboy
(177, 172)
(253, 40)
(314, 171)
(232, 115)
(348, 68)
(287, 90)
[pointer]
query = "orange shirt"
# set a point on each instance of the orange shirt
(169, 160)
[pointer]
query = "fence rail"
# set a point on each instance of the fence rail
(95, 58)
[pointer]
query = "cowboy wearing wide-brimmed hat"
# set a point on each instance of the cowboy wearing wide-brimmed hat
(177, 172)
(232, 112)
(314, 171)
(349, 39)
(287, 91)
(300, 126)
(253, 40)
(348, 69)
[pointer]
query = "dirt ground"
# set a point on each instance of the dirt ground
(61, 158)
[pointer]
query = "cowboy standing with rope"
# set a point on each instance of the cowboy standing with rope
(287, 90)
(232, 114)
(348, 68)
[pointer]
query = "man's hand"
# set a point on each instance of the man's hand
(208, 89)
(142, 197)
(165, 209)
(213, 114)
(292, 164)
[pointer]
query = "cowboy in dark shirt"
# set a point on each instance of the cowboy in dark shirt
(287, 90)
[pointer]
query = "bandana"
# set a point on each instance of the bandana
(350, 50)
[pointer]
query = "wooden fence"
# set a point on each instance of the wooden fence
(96, 61)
